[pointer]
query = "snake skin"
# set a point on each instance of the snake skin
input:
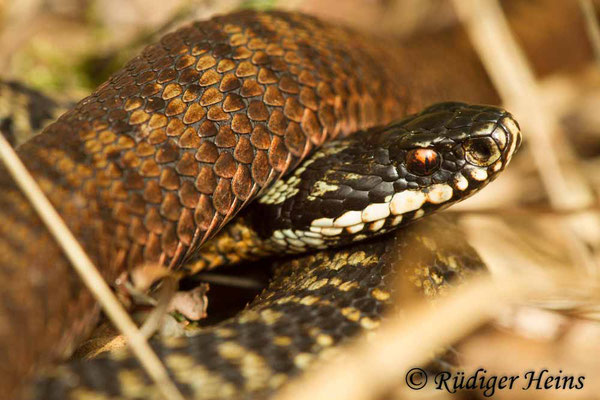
(313, 304)
(159, 157)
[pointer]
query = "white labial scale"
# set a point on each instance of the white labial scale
(374, 212)
(323, 223)
(406, 201)
(347, 219)
(355, 228)
(461, 182)
(479, 174)
(419, 214)
(497, 166)
(439, 193)
(331, 231)
(377, 225)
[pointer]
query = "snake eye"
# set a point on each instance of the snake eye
(422, 161)
(482, 151)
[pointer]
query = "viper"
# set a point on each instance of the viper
(159, 159)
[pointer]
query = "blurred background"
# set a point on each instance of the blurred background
(539, 58)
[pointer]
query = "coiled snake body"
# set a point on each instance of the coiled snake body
(167, 151)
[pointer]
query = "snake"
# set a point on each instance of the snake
(158, 159)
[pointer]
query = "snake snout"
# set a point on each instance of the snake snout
(492, 149)
(512, 131)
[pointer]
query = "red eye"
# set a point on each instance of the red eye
(422, 161)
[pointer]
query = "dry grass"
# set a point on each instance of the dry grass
(591, 23)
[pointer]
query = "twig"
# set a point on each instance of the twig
(592, 26)
(537, 211)
(87, 271)
(229, 280)
(165, 295)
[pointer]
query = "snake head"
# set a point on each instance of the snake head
(451, 150)
(385, 177)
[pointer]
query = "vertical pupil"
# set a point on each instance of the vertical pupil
(428, 160)
(422, 161)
